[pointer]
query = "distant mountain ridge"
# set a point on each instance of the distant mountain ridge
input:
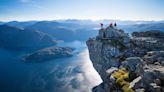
(20, 24)
(64, 31)
(16, 38)
(73, 29)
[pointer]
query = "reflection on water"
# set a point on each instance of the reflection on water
(75, 74)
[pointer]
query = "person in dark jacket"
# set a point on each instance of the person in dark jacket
(115, 24)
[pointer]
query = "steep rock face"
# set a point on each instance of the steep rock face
(113, 51)
(105, 51)
(103, 56)
(106, 48)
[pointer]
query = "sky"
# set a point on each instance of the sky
(23, 10)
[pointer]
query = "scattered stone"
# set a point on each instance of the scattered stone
(132, 84)
(154, 87)
(162, 63)
(160, 59)
(154, 57)
(140, 90)
(156, 63)
(111, 70)
(157, 81)
(134, 65)
(149, 60)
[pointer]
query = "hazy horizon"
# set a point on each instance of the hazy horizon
(82, 20)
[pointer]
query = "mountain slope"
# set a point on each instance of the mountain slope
(64, 31)
(12, 37)
(20, 24)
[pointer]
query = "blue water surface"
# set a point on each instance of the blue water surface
(73, 74)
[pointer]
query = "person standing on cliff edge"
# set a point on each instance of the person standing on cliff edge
(101, 24)
(115, 24)
(111, 25)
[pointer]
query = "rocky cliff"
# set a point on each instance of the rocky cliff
(128, 64)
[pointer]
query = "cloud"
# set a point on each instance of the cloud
(85, 77)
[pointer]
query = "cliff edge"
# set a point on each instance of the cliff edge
(128, 64)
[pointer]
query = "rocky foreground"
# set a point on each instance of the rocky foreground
(128, 64)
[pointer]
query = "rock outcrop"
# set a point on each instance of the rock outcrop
(152, 40)
(49, 53)
(115, 56)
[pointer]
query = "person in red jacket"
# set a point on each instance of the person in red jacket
(111, 25)
(101, 24)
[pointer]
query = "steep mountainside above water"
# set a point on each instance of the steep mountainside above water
(16, 38)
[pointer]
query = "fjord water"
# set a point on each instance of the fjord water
(73, 74)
